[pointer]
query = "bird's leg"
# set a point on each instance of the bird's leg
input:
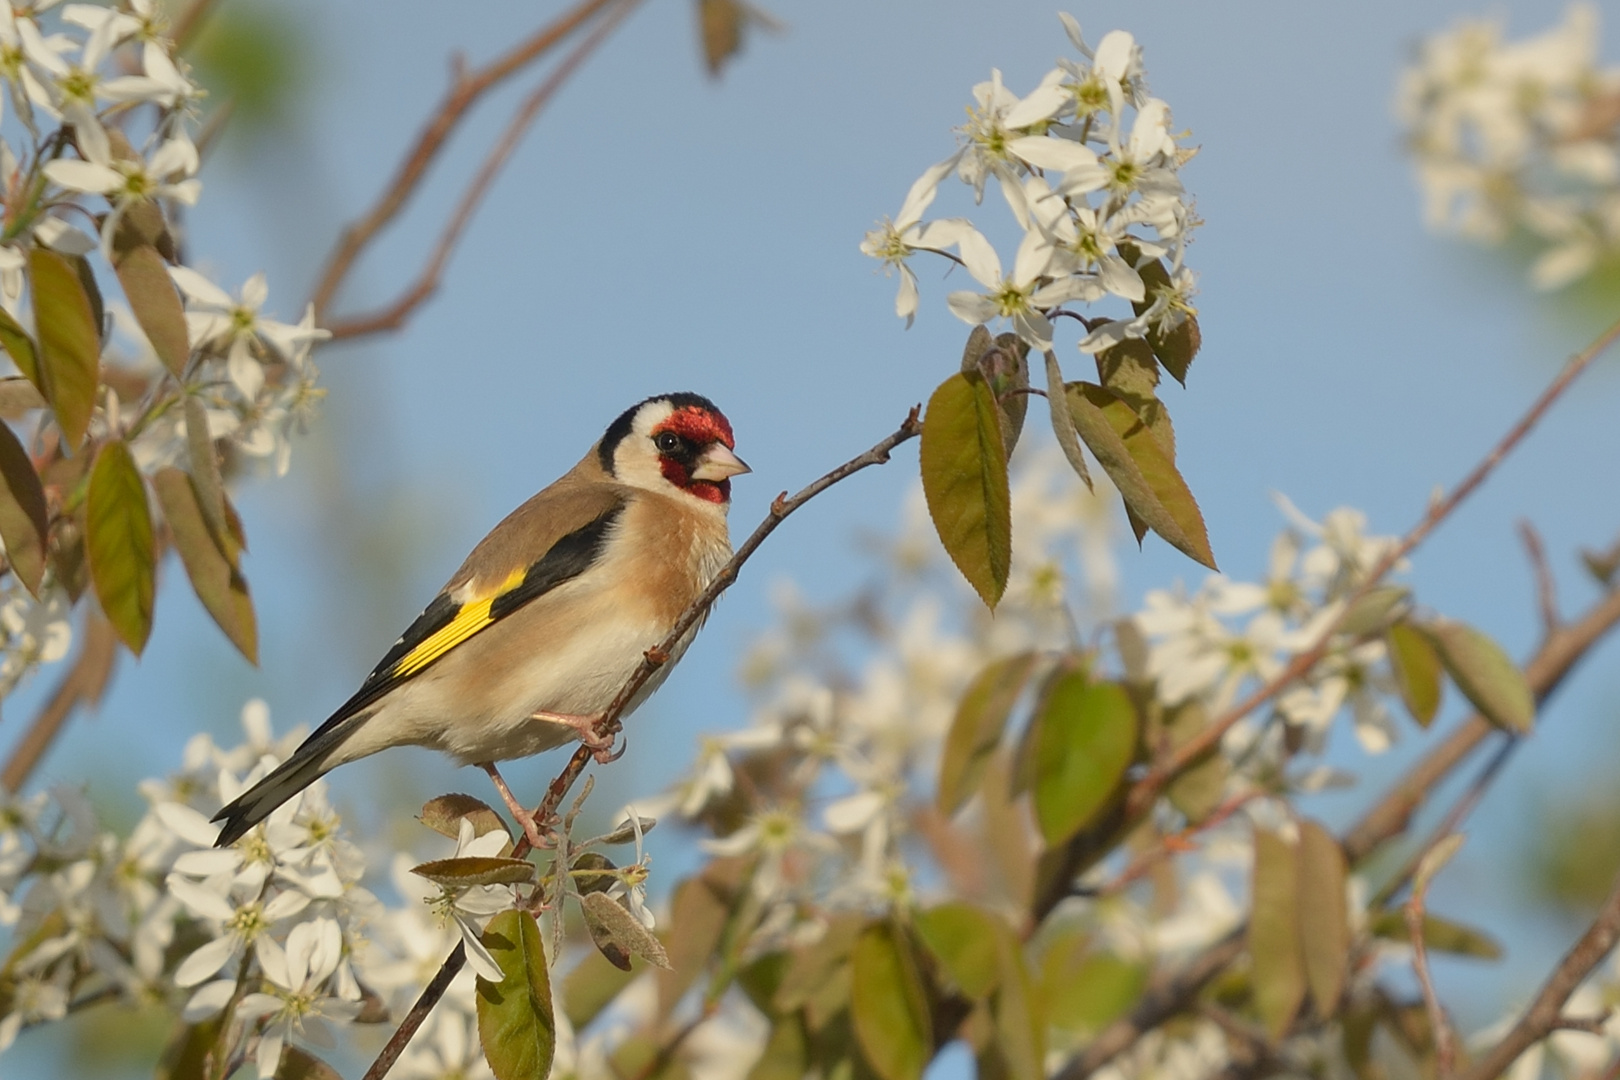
(531, 827)
(601, 748)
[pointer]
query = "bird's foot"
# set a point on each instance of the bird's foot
(600, 746)
(531, 828)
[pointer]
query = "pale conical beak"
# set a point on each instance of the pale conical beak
(718, 463)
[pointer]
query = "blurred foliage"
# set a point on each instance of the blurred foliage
(1571, 859)
(258, 57)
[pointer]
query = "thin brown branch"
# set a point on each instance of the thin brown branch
(393, 315)
(1172, 992)
(608, 725)
(1546, 586)
(81, 684)
(1453, 820)
(1546, 1014)
(1445, 1047)
(466, 89)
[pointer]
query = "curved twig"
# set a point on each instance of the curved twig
(393, 315)
(466, 89)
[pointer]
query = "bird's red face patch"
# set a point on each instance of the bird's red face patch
(696, 429)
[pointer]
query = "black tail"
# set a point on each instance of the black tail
(308, 764)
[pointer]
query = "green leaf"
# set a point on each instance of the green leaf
(299, 1064)
(1141, 468)
(811, 966)
(473, 870)
(221, 588)
(1063, 421)
(1324, 916)
(1199, 788)
(964, 476)
(514, 1015)
(964, 940)
(1274, 934)
(23, 523)
(976, 730)
(1020, 1024)
(443, 815)
(1003, 362)
(593, 872)
(206, 476)
(155, 302)
(785, 1056)
(69, 341)
(118, 539)
(1129, 372)
(720, 29)
(591, 986)
(699, 913)
(1439, 934)
(1175, 349)
(609, 920)
(888, 1005)
(1086, 989)
(187, 1053)
(1375, 611)
(20, 347)
(1085, 741)
(1416, 666)
(1486, 675)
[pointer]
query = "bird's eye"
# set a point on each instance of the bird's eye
(668, 442)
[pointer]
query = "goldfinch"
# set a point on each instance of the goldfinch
(532, 638)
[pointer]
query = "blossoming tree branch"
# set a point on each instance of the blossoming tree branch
(981, 806)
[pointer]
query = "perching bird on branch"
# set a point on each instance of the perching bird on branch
(530, 641)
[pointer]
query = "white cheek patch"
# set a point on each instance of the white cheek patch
(635, 462)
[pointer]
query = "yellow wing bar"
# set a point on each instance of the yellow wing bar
(468, 620)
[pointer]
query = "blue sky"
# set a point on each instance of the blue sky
(661, 231)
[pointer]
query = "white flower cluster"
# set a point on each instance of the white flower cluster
(94, 128)
(277, 932)
(1229, 636)
(1519, 138)
(236, 344)
(1088, 166)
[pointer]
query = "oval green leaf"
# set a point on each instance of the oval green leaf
(472, 870)
(1003, 362)
(1085, 989)
(20, 347)
(609, 921)
(1085, 740)
(118, 541)
(1324, 916)
(1274, 934)
(1063, 421)
(964, 476)
(1439, 934)
(443, 815)
(976, 730)
(964, 939)
(1416, 666)
(515, 1022)
(1485, 674)
(69, 341)
(220, 586)
(1175, 349)
(888, 1005)
(155, 302)
(1141, 468)
(23, 523)
(1020, 1022)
